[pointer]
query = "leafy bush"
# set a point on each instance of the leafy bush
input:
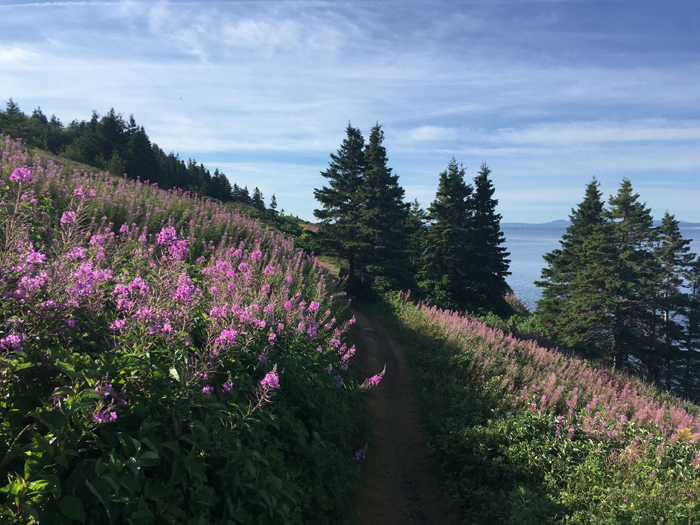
(525, 434)
(164, 359)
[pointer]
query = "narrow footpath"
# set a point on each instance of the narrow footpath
(400, 484)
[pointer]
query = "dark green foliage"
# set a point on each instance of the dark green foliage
(445, 273)
(120, 146)
(487, 261)
(363, 216)
(673, 258)
(690, 343)
(339, 215)
(464, 264)
(564, 263)
(416, 228)
(381, 224)
(620, 290)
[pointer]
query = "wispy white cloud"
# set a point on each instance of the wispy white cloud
(525, 88)
(602, 131)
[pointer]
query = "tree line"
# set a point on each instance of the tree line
(120, 146)
(626, 292)
(449, 254)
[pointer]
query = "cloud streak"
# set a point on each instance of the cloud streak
(539, 91)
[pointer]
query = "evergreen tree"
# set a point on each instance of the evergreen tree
(416, 228)
(690, 380)
(12, 121)
(632, 282)
(487, 263)
(609, 310)
(674, 259)
(258, 200)
(273, 205)
(339, 214)
(564, 263)
(444, 274)
(141, 160)
(381, 225)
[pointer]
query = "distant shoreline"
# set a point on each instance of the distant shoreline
(564, 224)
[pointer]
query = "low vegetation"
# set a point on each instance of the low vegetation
(527, 435)
(164, 359)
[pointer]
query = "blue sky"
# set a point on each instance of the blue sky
(548, 94)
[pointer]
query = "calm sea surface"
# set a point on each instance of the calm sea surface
(527, 245)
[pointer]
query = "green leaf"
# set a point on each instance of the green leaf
(141, 517)
(53, 419)
(72, 508)
(23, 366)
(46, 484)
(66, 368)
(99, 489)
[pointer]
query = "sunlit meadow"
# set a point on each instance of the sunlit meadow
(162, 357)
(529, 434)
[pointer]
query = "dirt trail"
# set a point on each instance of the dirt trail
(400, 485)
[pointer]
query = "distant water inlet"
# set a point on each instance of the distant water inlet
(528, 244)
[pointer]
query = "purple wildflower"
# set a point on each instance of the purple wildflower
(271, 380)
(21, 175)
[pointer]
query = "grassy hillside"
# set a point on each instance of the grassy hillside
(527, 435)
(163, 357)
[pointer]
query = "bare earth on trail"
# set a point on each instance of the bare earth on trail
(400, 484)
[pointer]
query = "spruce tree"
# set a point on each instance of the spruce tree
(487, 263)
(564, 263)
(381, 224)
(339, 213)
(632, 283)
(444, 274)
(258, 200)
(674, 259)
(690, 381)
(416, 228)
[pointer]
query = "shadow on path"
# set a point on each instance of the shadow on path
(400, 484)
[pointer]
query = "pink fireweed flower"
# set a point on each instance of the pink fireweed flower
(272, 338)
(312, 331)
(374, 380)
(105, 417)
(76, 253)
(138, 287)
(11, 342)
(21, 175)
(167, 236)
(68, 217)
(227, 337)
(262, 358)
(269, 270)
(78, 192)
(313, 307)
(289, 279)
(207, 389)
(271, 380)
(256, 256)
(227, 387)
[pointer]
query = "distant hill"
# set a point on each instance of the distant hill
(564, 223)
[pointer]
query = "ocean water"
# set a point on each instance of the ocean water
(527, 245)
